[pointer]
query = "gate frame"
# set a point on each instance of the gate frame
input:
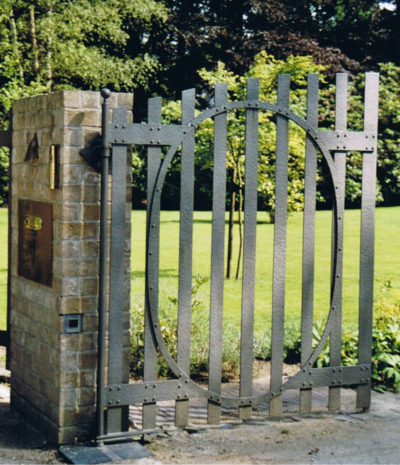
(118, 135)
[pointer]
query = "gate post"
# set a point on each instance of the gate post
(54, 251)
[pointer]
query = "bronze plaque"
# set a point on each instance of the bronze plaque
(35, 241)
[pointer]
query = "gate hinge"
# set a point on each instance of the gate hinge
(92, 152)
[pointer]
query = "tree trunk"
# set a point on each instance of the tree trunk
(240, 224)
(15, 45)
(35, 50)
(49, 55)
(230, 224)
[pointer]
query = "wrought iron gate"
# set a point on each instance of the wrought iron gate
(113, 394)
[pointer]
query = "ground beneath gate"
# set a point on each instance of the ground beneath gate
(345, 437)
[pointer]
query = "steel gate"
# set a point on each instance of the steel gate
(113, 395)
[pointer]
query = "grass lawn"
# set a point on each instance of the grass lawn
(387, 261)
(3, 266)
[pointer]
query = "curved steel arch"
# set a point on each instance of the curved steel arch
(151, 290)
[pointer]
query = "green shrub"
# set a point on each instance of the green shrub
(385, 340)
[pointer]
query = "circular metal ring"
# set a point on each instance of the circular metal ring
(155, 200)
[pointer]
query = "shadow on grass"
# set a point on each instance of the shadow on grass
(163, 273)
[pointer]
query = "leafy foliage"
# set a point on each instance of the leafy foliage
(47, 45)
(385, 343)
(199, 336)
(385, 340)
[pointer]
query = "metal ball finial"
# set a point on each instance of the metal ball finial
(105, 93)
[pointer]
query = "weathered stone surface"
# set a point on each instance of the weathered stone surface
(53, 373)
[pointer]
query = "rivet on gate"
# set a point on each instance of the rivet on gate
(124, 126)
(153, 399)
(154, 386)
(145, 400)
(311, 384)
(152, 141)
(146, 386)
(340, 370)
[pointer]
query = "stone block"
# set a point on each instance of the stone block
(90, 286)
(88, 359)
(91, 211)
(73, 137)
(90, 100)
(81, 118)
(90, 248)
(125, 99)
(71, 99)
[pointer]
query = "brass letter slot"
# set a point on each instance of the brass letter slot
(33, 223)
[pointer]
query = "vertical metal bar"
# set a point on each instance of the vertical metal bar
(279, 265)
(105, 93)
(308, 263)
(150, 352)
(10, 197)
(117, 418)
(249, 249)
(185, 252)
(367, 237)
(337, 244)
(217, 254)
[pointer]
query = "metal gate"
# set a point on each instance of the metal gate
(114, 395)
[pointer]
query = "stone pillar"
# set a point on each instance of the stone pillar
(54, 266)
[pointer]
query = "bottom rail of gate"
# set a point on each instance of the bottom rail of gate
(166, 393)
